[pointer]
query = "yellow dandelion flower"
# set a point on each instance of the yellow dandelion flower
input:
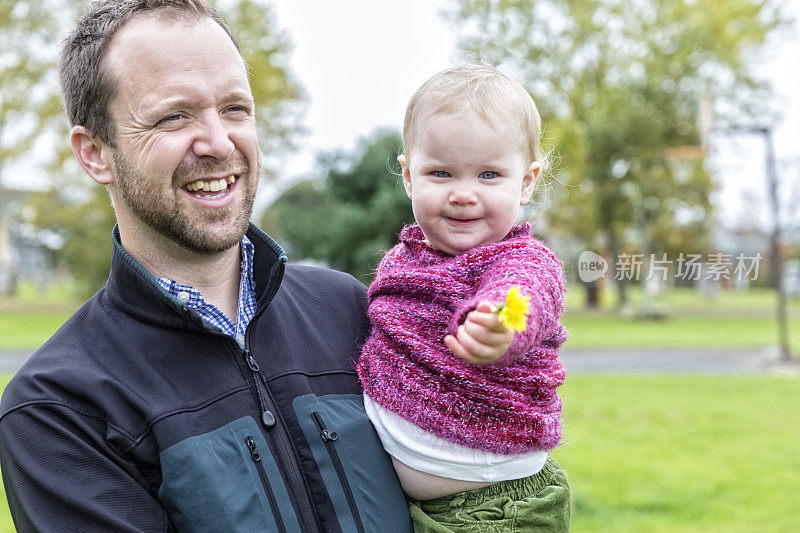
(513, 313)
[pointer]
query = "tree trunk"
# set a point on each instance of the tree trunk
(592, 295)
(622, 286)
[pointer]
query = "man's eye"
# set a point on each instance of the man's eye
(170, 118)
(488, 175)
(441, 173)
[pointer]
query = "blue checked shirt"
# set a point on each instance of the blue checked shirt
(190, 296)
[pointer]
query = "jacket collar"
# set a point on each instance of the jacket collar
(134, 290)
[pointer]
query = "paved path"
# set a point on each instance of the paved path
(622, 361)
(11, 361)
(676, 361)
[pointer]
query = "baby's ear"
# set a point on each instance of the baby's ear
(406, 173)
(529, 182)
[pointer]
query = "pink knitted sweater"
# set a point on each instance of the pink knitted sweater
(420, 295)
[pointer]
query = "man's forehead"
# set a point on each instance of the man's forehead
(153, 53)
(161, 38)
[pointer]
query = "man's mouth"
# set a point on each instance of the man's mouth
(210, 189)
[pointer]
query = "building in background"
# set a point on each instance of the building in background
(23, 254)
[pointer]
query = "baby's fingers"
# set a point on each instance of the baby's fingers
(488, 320)
(474, 350)
(487, 335)
(458, 349)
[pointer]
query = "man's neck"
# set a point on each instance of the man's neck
(216, 276)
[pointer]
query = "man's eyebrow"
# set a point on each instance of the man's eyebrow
(239, 96)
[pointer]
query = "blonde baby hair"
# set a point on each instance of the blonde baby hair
(483, 89)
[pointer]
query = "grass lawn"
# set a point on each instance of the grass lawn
(730, 320)
(676, 454)
(28, 329)
(6, 524)
(683, 453)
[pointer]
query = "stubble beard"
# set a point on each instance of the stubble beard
(163, 212)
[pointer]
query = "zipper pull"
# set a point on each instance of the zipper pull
(251, 444)
(327, 436)
(251, 362)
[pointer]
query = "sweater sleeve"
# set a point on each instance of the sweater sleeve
(529, 265)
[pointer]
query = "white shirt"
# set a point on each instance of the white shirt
(427, 452)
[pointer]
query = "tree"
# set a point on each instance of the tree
(619, 84)
(346, 218)
(30, 32)
(29, 103)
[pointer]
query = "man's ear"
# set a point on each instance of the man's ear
(93, 154)
(529, 182)
(406, 173)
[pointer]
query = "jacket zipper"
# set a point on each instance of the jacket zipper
(286, 458)
(273, 504)
(267, 418)
(328, 437)
(286, 455)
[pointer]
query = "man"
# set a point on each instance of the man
(208, 386)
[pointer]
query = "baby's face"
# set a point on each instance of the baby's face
(466, 180)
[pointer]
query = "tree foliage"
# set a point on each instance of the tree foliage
(619, 83)
(346, 218)
(31, 113)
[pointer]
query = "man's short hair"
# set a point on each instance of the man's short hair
(87, 86)
(485, 90)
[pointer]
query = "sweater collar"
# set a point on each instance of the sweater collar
(132, 288)
(414, 239)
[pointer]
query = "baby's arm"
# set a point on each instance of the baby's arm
(537, 273)
(482, 339)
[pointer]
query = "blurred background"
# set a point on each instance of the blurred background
(672, 192)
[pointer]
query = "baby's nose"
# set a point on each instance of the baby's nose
(463, 196)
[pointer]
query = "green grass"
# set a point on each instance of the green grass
(6, 524)
(675, 454)
(683, 453)
(730, 320)
(602, 330)
(28, 329)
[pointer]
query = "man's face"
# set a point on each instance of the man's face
(186, 161)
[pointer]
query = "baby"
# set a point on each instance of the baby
(466, 407)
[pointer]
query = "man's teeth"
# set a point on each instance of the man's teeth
(210, 185)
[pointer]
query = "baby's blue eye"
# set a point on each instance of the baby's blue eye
(488, 175)
(441, 173)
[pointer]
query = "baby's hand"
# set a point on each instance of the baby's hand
(481, 339)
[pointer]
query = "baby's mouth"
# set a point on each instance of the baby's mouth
(210, 189)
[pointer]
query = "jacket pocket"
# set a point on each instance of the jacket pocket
(357, 472)
(225, 480)
(328, 438)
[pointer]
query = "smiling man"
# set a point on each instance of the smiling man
(209, 386)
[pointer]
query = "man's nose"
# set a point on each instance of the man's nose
(213, 140)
